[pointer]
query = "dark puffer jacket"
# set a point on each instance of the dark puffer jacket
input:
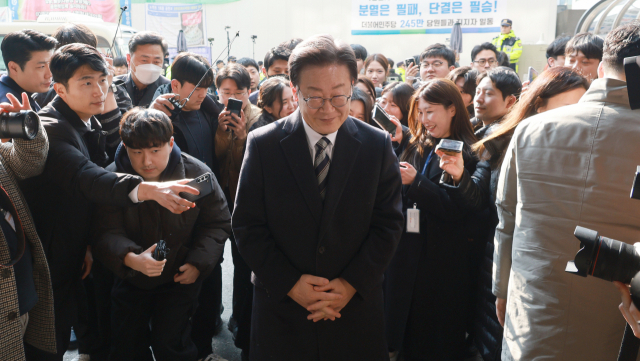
(486, 329)
(196, 236)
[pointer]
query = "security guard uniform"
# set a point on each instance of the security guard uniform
(510, 44)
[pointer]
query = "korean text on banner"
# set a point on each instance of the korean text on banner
(381, 17)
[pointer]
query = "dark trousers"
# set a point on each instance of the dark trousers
(65, 313)
(207, 317)
(242, 298)
(166, 308)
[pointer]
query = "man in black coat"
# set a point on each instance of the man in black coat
(62, 199)
(318, 217)
(145, 58)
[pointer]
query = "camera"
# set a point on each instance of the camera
(161, 252)
(606, 258)
(24, 124)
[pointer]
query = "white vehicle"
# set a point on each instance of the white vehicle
(47, 24)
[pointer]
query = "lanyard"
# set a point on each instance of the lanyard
(426, 164)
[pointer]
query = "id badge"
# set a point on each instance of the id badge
(413, 220)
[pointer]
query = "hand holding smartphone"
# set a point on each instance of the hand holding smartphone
(382, 119)
(234, 106)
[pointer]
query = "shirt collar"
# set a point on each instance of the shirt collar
(313, 137)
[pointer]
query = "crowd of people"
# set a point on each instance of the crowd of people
(349, 242)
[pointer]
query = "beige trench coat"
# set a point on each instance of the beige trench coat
(567, 167)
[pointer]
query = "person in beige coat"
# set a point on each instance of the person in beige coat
(569, 167)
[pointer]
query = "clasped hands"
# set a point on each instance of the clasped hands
(324, 299)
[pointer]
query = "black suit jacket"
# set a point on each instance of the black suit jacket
(150, 89)
(284, 230)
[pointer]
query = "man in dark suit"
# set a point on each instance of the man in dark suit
(318, 217)
(145, 58)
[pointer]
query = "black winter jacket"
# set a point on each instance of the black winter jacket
(196, 236)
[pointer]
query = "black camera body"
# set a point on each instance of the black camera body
(161, 252)
(606, 258)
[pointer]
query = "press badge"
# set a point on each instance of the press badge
(413, 220)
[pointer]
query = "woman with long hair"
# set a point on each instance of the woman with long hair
(554, 88)
(361, 105)
(275, 100)
(363, 83)
(465, 79)
(376, 68)
(396, 100)
(426, 283)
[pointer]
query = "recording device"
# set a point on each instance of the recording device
(161, 252)
(632, 71)
(24, 124)
(382, 118)
(203, 183)
(532, 74)
(408, 62)
(234, 106)
(178, 104)
(450, 147)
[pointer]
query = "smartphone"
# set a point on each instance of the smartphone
(382, 118)
(532, 74)
(234, 106)
(408, 62)
(450, 147)
(203, 183)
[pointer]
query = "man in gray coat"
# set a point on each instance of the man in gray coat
(567, 167)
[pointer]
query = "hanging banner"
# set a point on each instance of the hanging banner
(384, 17)
(169, 19)
(107, 10)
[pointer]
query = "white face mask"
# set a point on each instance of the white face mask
(147, 73)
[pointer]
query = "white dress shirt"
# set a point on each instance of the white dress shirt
(313, 137)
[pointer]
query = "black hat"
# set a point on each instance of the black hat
(506, 22)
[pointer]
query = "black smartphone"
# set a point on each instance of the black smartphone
(203, 183)
(532, 74)
(382, 118)
(408, 62)
(450, 147)
(234, 106)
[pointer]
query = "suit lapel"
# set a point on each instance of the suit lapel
(296, 150)
(344, 156)
(147, 98)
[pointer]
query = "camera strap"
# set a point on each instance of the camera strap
(8, 205)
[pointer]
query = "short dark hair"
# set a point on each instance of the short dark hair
(260, 62)
(142, 128)
(17, 46)
(620, 43)
(246, 62)
(503, 59)
(147, 38)
(219, 61)
(470, 76)
(505, 79)
(120, 61)
(277, 53)
(360, 51)
(556, 48)
(481, 47)
(235, 72)
(439, 51)
(588, 44)
(321, 50)
(75, 33)
(291, 44)
(391, 63)
(190, 67)
(271, 90)
(399, 64)
(71, 57)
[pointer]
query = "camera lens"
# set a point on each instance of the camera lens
(24, 125)
(615, 261)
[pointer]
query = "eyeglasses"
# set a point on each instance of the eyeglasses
(484, 61)
(228, 94)
(435, 64)
(337, 101)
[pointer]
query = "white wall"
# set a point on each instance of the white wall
(275, 21)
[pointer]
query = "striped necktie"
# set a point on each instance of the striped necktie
(321, 165)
